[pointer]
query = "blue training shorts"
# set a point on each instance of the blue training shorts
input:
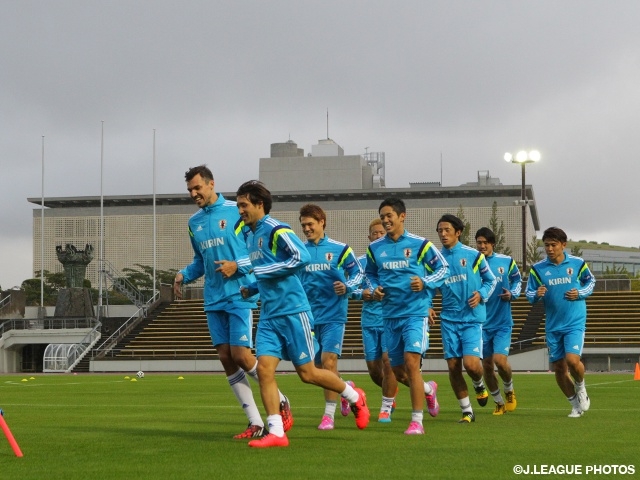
(287, 338)
(374, 343)
(231, 326)
(406, 335)
(330, 337)
(561, 343)
(461, 339)
(496, 341)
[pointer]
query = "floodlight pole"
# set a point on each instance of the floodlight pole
(524, 221)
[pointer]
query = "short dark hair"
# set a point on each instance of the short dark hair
(257, 193)
(201, 170)
(455, 222)
(397, 204)
(314, 211)
(554, 233)
(488, 234)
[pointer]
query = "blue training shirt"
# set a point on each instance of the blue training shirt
(371, 316)
(392, 263)
(562, 315)
(469, 272)
(277, 255)
(508, 276)
(331, 261)
(213, 237)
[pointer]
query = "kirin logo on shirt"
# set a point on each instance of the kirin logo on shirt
(222, 224)
(569, 271)
(463, 262)
(328, 256)
(407, 252)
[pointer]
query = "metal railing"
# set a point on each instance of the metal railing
(102, 350)
(46, 324)
(123, 285)
(85, 345)
(5, 301)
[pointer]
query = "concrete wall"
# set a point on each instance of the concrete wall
(313, 173)
(534, 361)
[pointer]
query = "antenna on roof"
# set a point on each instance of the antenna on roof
(327, 123)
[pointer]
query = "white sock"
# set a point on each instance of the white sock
(253, 374)
(274, 423)
(477, 385)
(465, 405)
(330, 409)
(427, 388)
(350, 394)
(575, 403)
(387, 404)
(508, 386)
(497, 397)
(242, 390)
(416, 416)
(580, 386)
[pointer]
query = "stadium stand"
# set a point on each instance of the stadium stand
(180, 330)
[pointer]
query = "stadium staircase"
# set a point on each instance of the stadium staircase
(613, 320)
(122, 284)
(84, 364)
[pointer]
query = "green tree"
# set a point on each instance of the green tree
(497, 227)
(575, 251)
(465, 235)
(32, 288)
(533, 252)
(142, 277)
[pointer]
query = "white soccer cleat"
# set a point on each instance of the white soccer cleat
(575, 413)
(583, 398)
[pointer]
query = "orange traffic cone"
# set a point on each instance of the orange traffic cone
(636, 376)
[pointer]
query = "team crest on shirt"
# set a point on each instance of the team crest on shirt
(463, 262)
(407, 252)
(260, 242)
(328, 256)
(500, 270)
(569, 271)
(222, 224)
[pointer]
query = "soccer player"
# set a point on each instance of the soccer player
(496, 330)
(464, 295)
(375, 347)
(331, 275)
(222, 257)
(563, 282)
(400, 267)
(284, 329)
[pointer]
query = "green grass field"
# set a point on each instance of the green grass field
(105, 427)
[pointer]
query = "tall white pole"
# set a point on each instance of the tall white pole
(101, 261)
(42, 238)
(154, 211)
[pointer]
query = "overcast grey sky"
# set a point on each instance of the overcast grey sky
(222, 80)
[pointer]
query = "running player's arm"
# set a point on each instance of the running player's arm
(489, 280)
(239, 248)
(352, 268)
(436, 266)
(515, 280)
(533, 284)
(371, 269)
(195, 269)
(249, 290)
(587, 281)
(285, 245)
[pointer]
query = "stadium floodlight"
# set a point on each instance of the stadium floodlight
(523, 157)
